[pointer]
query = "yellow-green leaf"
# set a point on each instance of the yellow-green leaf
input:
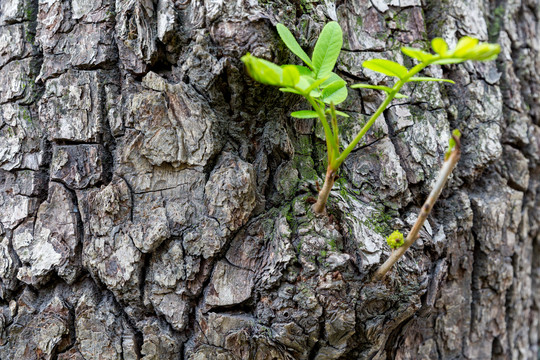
(305, 114)
(417, 54)
(263, 71)
(448, 61)
(452, 143)
(464, 45)
(420, 78)
(289, 90)
(483, 52)
(303, 70)
(341, 113)
(439, 46)
(291, 76)
(373, 87)
(395, 240)
(332, 77)
(387, 67)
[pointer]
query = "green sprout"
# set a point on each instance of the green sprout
(324, 89)
(452, 143)
(395, 240)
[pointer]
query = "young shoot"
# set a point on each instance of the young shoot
(395, 241)
(324, 89)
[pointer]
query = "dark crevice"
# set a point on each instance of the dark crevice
(364, 51)
(138, 335)
(64, 142)
(80, 227)
(244, 308)
(109, 141)
(142, 276)
(395, 339)
(475, 282)
(318, 345)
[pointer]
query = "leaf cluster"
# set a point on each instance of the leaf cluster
(324, 89)
(315, 80)
(467, 48)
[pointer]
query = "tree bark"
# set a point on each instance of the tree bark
(154, 200)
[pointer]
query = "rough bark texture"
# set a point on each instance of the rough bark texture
(154, 201)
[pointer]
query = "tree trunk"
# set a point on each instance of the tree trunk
(155, 201)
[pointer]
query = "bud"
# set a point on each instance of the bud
(263, 71)
(395, 240)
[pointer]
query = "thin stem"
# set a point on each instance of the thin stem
(395, 89)
(333, 150)
(335, 159)
(446, 170)
(335, 127)
(327, 132)
(364, 130)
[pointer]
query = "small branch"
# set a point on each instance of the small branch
(446, 170)
(319, 206)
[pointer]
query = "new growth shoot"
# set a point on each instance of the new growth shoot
(324, 89)
(399, 247)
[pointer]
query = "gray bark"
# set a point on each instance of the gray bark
(155, 201)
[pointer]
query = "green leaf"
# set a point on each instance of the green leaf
(305, 114)
(331, 78)
(483, 52)
(374, 87)
(489, 58)
(430, 79)
(288, 38)
(378, 87)
(304, 82)
(334, 84)
(289, 90)
(439, 46)
(314, 85)
(291, 76)
(387, 67)
(341, 113)
(452, 143)
(417, 54)
(315, 94)
(336, 92)
(303, 70)
(327, 49)
(448, 61)
(263, 71)
(464, 45)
